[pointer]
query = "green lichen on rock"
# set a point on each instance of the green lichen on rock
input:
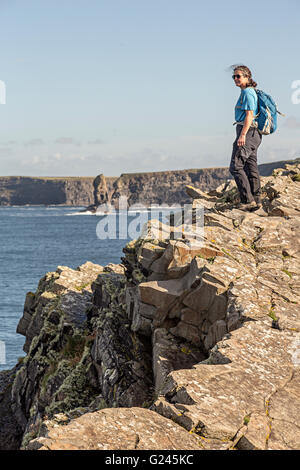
(287, 272)
(75, 390)
(296, 177)
(138, 275)
(272, 314)
(83, 286)
(246, 420)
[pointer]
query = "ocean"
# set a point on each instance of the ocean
(35, 240)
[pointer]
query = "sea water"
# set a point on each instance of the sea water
(33, 241)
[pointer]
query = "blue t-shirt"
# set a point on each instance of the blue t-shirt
(247, 101)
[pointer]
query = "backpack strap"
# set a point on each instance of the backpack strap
(253, 124)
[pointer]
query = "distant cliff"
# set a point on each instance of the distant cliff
(146, 188)
(20, 190)
(71, 191)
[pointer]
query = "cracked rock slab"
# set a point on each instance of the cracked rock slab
(250, 372)
(115, 429)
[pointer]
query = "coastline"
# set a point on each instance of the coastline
(145, 188)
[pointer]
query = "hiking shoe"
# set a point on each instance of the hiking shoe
(258, 202)
(249, 206)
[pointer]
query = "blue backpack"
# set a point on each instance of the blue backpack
(267, 113)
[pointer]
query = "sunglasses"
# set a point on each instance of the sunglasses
(236, 76)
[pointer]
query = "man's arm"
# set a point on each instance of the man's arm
(247, 123)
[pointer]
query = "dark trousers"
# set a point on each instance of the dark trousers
(243, 165)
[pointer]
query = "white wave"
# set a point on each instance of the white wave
(81, 213)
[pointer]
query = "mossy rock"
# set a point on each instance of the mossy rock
(296, 177)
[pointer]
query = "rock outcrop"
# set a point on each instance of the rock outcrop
(192, 342)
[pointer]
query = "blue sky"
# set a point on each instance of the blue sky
(114, 86)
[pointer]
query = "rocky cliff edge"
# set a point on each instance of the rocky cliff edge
(184, 345)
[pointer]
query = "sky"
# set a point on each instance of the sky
(117, 86)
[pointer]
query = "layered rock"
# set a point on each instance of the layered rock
(103, 189)
(200, 327)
